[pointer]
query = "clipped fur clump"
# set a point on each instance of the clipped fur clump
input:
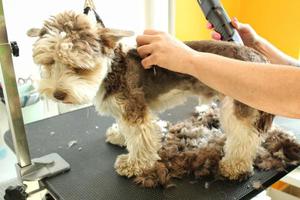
(195, 147)
(279, 150)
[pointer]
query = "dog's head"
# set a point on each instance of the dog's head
(74, 55)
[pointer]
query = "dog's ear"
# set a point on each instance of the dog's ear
(110, 37)
(36, 32)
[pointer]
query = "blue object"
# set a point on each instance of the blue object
(27, 92)
(3, 153)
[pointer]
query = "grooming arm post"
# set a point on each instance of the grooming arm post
(46, 166)
(12, 97)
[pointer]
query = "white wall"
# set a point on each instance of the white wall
(156, 14)
(21, 15)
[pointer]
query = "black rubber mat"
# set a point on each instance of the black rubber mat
(92, 176)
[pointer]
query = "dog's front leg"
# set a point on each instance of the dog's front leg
(115, 136)
(143, 143)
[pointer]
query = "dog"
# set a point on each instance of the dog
(83, 62)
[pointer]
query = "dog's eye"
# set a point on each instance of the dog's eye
(47, 61)
(79, 70)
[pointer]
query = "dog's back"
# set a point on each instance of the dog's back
(160, 89)
(228, 49)
(163, 88)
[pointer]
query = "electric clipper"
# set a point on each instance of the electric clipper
(215, 13)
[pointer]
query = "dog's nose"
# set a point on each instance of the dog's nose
(59, 95)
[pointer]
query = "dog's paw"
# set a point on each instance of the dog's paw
(113, 136)
(126, 167)
(238, 170)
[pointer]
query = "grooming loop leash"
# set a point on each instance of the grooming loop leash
(90, 5)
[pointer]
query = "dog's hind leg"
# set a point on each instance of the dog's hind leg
(242, 139)
(115, 136)
(143, 141)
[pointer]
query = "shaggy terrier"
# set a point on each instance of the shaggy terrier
(81, 61)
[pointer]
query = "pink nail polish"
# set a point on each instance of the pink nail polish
(217, 36)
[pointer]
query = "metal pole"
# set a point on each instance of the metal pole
(12, 97)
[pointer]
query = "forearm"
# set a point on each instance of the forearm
(271, 88)
(274, 54)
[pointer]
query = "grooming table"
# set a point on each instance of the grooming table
(92, 176)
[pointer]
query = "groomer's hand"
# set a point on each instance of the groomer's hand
(247, 33)
(159, 48)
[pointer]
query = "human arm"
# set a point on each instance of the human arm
(275, 55)
(253, 40)
(268, 87)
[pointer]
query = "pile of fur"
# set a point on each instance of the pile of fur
(195, 147)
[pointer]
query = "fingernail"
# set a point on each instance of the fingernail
(235, 22)
(217, 36)
(209, 26)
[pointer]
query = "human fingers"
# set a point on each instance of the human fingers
(209, 26)
(216, 35)
(151, 32)
(145, 50)
(235, 23)
(144, 39)
(240, 26)
(148, 61)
